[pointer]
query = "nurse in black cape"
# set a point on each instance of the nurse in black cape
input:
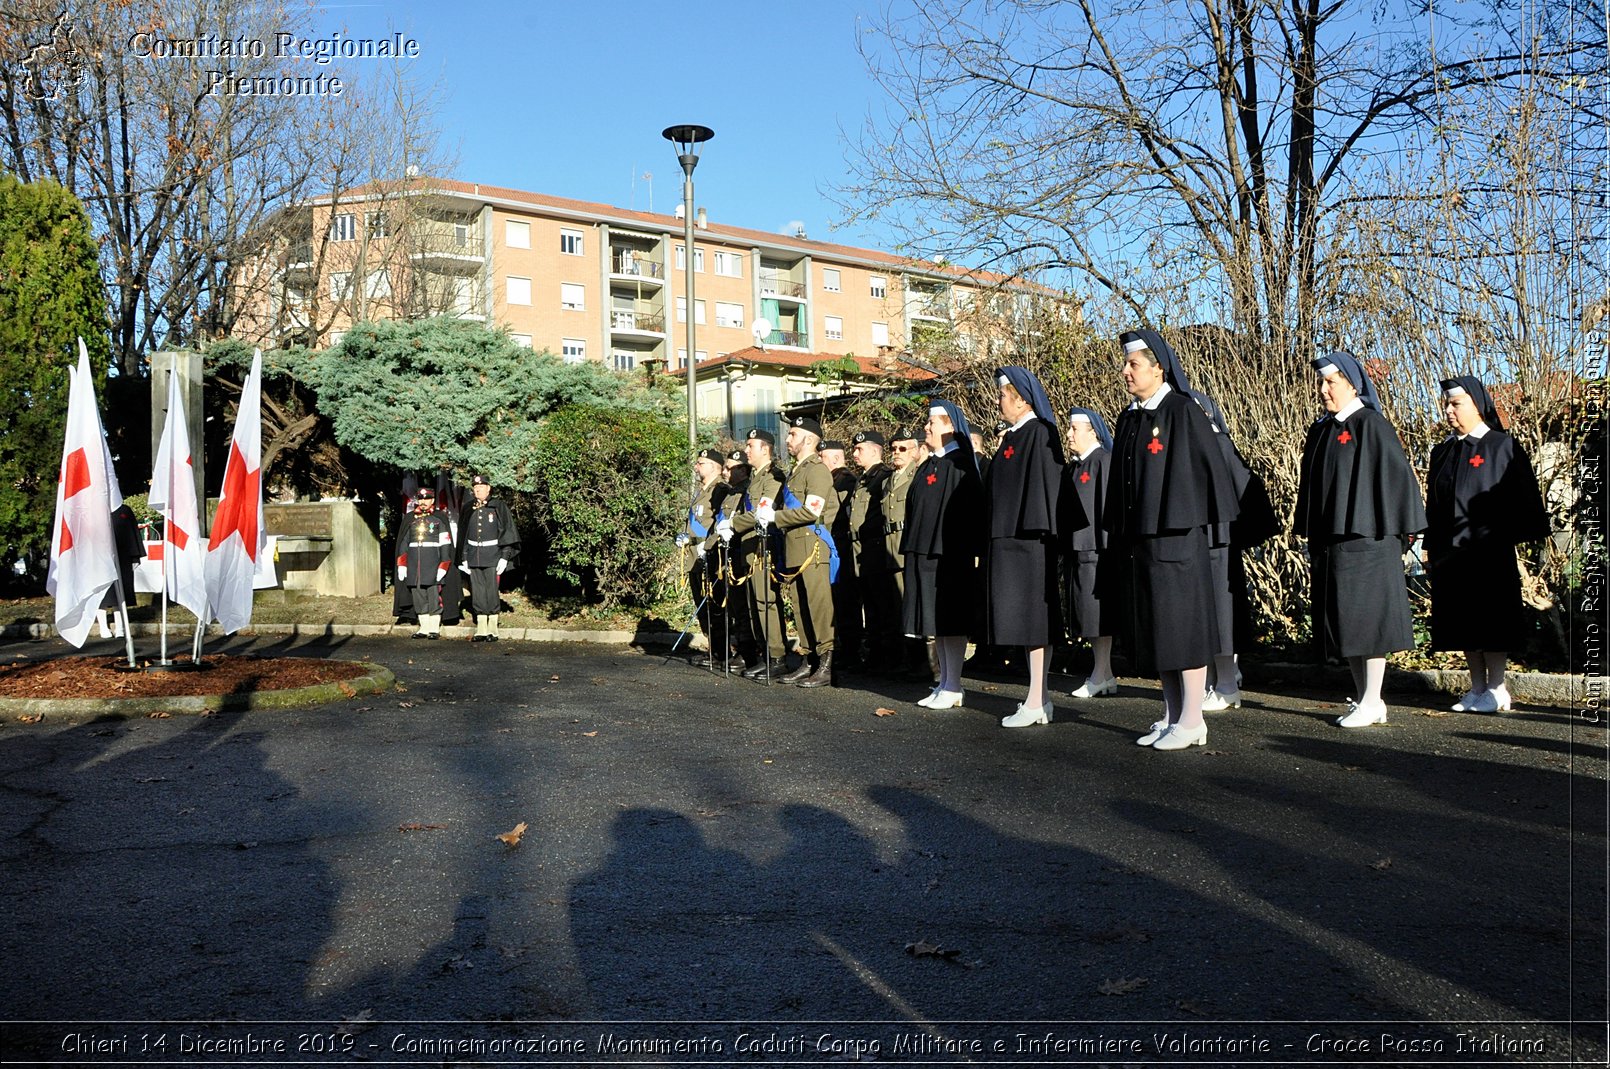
(1358, 504)
(1481, 501)
(1022, 489)
(1170, 501)
(1087, 579)
(943, 538)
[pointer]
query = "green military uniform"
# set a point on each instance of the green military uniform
(765, 486)
(916, 657)
(808, 556)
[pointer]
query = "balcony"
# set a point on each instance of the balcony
(447, 246)
(627, 265)
(928, 306)
(776, 284)
(796, 339)
(647, 323)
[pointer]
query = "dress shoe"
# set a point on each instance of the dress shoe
(1216, 701)
(823, 675)
(1154, 734)
(799, 673)
(1468, 703)
(1502, 702)
(758, 669)
(491, 638)
(1175, 737)
(1364, 714)
(479, 638)
(943, 699)
(420, 634)
(1027, 716)
(1090, 688)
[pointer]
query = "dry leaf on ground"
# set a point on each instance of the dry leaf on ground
(513, 837)
(1123, 985)
(416, 826)
(924, 949)
(881, 711)
(589, 734)
(31, 718)
(1431, 712)
(1382, 865)
(158, 714)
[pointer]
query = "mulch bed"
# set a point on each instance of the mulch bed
(110, 677)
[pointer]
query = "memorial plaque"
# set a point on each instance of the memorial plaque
(309, 520)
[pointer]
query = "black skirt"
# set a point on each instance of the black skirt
(1087, 593)
(1223, 598)
(1476, 599)
(941, 596)
(1022, 592)
(1172, 622)
(1360, 598)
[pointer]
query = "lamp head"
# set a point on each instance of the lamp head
(687, 138)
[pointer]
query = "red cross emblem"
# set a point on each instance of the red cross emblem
(932, 478)
(1007, 452)
(1476, 461)
(1345, 437)
(1155, 447)
(1084, 476)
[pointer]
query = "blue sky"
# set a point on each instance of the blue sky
(570, 98)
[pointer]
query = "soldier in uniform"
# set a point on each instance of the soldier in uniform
(906, 655)
(730, 609)
(424, 557)
(696, 564)
(869, 553)
(847, 593)
(487, 545)
(810, 506)
(746, 532)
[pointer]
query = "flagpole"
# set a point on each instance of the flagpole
(123, 611)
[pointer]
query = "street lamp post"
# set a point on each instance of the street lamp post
(687, 140)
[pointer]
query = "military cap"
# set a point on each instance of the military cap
(737, 457)
(807, 423)
(829, 443)
(907, 434)
(425, 493)
(714, 455)
(868, 436)
(480, 480)
(763, 435)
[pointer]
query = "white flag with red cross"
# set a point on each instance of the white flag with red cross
(83, 551)
(237, 528)
(173, 493)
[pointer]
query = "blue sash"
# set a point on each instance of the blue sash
(792, 502)
(699, 530)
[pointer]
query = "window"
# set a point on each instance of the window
(572, 296)
(516, 234)
(625, 361)
(766, 413)
(462, 298)
(574, 350)
(343, 227)
(376, 222)
(377, 284)
(880, 334)
(340, 285)
(729, 264)
(461, 235)
(830, 279)
(698, 311)
(518, 291)
(835, 328)
(682, 259)
(699, 357)
(522, 340)
(729, 315)
(879, 286)
(570, 242)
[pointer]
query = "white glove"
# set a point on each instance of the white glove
(764, 515)
(503, 565)
(724, 530)
(402, 573)
(681, 541)
(701, 551)
(465, 568)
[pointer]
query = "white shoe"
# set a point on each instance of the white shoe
(1091, 689)
(1502, 702)
(1027, 717)
(945, 699)
(1217, 702)
(1362, 716)
(1175, 737)
(928, 702)
(1467, 704)
(1154, 734)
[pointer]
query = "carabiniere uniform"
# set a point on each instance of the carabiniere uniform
(488, 545)
(424, 556)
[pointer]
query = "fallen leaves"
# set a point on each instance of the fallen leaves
(589, 734)
(30, 718)
(416, 826)
(924, 949)
(512, 837)
(1122, 985)
(553, 678)
(1432, 712)
(158, 714)
(1381, 865)
(881, 711)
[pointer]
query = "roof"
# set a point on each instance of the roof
(673, 225)
(894, 365)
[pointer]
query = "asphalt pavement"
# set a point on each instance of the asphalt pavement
(715, 872)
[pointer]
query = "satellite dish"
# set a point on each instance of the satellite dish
(761, 329)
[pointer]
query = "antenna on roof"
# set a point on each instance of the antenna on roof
(761, 329)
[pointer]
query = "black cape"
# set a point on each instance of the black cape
(1080, 525)
(1356, 481)
(1482, 490)
(1168, 472)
